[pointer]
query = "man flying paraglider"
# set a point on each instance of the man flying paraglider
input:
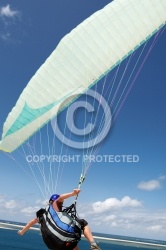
(61, 229)
(94, 48)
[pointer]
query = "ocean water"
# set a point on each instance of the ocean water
(32, 240)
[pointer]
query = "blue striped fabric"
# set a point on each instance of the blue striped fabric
(65, 226)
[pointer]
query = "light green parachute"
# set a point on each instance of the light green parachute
(81, 59)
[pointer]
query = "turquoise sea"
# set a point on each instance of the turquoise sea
(10, 240)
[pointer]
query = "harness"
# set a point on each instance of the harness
(60, 230)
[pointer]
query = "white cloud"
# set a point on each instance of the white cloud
(102, 206)
(5, 36)
(149, 185)
(2, 199)
(19, 207)
(124, 217)
(41, 202)
(7, 204)
(6, 11)
(163, 177)
(126, 220)
(30, 211)
(111, 217)
(9, 18)
(11, 204)
(155, 228)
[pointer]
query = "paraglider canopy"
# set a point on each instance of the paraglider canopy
(95, 46)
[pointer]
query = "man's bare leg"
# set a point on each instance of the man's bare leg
(76, 248)
(88, 234)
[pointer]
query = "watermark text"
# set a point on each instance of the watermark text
(123, 158)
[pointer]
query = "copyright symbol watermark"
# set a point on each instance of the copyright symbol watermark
(87, 137)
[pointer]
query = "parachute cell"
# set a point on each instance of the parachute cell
(81, 58)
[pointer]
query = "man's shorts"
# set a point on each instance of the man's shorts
(82, 222)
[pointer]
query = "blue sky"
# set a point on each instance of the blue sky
(125, 197)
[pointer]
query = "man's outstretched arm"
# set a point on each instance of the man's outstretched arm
(27, 226)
